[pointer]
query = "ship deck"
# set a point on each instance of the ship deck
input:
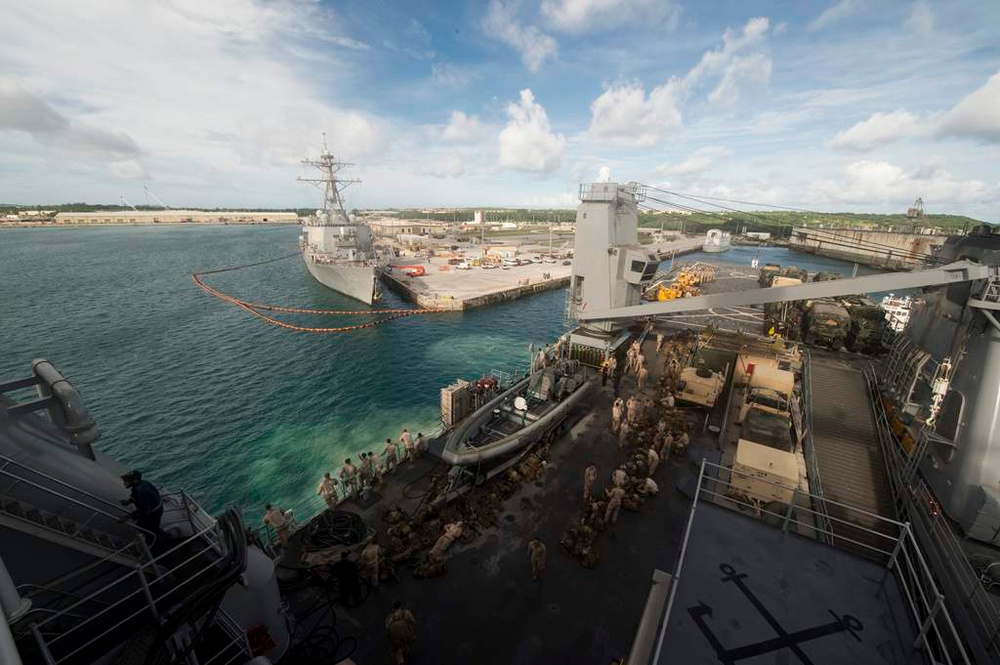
(487, 609)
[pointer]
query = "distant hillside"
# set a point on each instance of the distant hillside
(780, 222)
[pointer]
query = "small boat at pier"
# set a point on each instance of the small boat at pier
(518, 417)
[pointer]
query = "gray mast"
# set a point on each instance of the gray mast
(332, 185)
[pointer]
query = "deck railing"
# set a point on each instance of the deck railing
(963, 589)
(897, 548)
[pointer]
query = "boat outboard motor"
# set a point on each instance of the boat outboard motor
(65, 407)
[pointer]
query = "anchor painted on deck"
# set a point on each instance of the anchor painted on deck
(784, 639)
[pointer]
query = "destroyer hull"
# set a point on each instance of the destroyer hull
(355, 281)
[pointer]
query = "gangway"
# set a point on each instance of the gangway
(846, 449)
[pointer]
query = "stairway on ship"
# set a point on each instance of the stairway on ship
(850, 464)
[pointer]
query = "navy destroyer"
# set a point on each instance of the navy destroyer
(337, 250)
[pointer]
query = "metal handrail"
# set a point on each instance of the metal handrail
(236, 634)
(913, 497)
(809, 452)
(133, 573)
(7, 460)
(74, 501)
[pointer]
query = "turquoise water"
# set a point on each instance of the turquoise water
(203, 396)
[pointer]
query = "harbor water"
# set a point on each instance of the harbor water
(200, 394)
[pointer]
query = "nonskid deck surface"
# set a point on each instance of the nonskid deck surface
(752, 594)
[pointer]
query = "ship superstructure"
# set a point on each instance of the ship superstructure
(717, 240)
(82, 582)
(337, 250)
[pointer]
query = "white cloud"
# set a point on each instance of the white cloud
(870, 182)
(626, 114)
(134, 76)
(450, 75)
(741, 74)
(462, 128)
(878, 130)
(834, 14)
(701, 160)
(534, 45)
(921, 18)
(527, 143)
(128, 169)
(976, 116)
(584, 16)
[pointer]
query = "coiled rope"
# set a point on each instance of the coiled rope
(258, 309)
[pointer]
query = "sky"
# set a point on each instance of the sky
(835, 105)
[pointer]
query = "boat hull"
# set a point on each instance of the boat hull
(712, 248)
(454, 453)
(354, 281)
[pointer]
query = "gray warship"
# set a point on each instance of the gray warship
(338, 251)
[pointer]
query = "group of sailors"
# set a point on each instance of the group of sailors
(639, 412)
(354, 479)
(547, 355)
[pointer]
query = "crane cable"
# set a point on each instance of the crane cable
(258, 309)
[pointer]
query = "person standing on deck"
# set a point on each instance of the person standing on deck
(390, 456)
(348, 476)
(652, 461)
(407, 440)
(328, 490)
(642, 376)
(615, 497)
(659, 341)
(419, 446)
(401, 629)
(348, 584)
(148, 506)
(623, 435)
(275, 518)
(617, 413)
(589, 476)
(538, 554)
(632, 410)
(619, 477)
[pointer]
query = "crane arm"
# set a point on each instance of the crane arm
(960, 271)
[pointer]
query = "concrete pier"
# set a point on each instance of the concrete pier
(879, 249)
(442, 286)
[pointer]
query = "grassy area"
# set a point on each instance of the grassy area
(780, 223)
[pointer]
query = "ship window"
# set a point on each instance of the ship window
(638, 266)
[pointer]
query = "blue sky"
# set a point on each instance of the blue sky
(837, 105)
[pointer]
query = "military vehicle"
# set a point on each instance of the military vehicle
(784, 318)
(792, 272)
(868, 325)
(768, 273)
(826, 276)
(825, 323)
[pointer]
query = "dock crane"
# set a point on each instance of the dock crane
(149, 193)
(125, 202)
(610, 269)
